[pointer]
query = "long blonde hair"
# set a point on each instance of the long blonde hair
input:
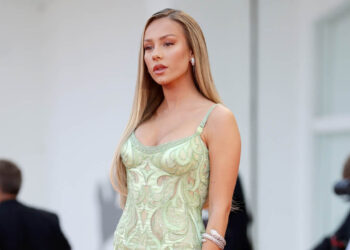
(149, 95)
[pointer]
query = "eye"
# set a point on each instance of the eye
(167, 44)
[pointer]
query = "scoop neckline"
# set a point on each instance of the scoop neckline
(152, 148)
(165, 144)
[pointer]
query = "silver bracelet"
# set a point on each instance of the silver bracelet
(217, 236)
(211, 238)
(221, 244)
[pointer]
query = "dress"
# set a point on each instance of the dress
(167, 187)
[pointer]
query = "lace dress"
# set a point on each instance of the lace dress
(167, 187)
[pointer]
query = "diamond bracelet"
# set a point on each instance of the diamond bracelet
(215, 237)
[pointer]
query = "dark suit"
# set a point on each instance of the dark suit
(26, 228)
(236, 232)
(339, 240)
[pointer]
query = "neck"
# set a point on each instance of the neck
(6, 197)
(179, 93)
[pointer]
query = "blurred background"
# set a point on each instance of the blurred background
(67, 78)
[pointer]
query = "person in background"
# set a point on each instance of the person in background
(340, 239)
(238, 221)
(236, 234)
(23, 227)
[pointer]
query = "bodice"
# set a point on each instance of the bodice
(167, 187)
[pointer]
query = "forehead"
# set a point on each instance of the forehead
(161, 27)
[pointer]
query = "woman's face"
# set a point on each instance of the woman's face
(166, 53)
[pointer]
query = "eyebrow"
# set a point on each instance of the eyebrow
(162, 37)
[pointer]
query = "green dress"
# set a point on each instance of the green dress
(167, 187)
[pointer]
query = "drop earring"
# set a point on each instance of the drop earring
(192, 61)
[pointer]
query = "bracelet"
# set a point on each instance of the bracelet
(215, 237)
(210, 237)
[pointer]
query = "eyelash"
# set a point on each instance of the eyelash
(167, 44)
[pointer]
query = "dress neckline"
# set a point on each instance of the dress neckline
(165, 145)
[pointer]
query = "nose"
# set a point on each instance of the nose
(156, 53)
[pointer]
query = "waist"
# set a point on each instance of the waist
(159, 228)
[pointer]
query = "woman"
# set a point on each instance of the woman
(161, 166)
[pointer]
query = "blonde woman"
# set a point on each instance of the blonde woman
(181, 148)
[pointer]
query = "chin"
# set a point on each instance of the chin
(166, 80)
(161, 81)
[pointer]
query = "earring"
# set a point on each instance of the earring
(192, 61)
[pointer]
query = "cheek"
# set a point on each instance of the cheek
(178, 56)
(147, 60)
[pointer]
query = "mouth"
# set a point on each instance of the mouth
(159, 69)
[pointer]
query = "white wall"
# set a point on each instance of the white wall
(310, 12)
(277, 134)
(286, 94)
(24, 106)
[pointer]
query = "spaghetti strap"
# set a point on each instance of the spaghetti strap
(204, 121)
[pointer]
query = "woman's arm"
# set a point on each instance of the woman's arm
(224, 144)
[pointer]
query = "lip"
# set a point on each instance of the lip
(159, 68)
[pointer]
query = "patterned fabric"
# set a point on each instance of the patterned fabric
(167, 187)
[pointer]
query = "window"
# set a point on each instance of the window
(331, 119)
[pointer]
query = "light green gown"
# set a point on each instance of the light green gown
(167, 187)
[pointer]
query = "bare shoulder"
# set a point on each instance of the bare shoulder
(221, 123)
(221, 117)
